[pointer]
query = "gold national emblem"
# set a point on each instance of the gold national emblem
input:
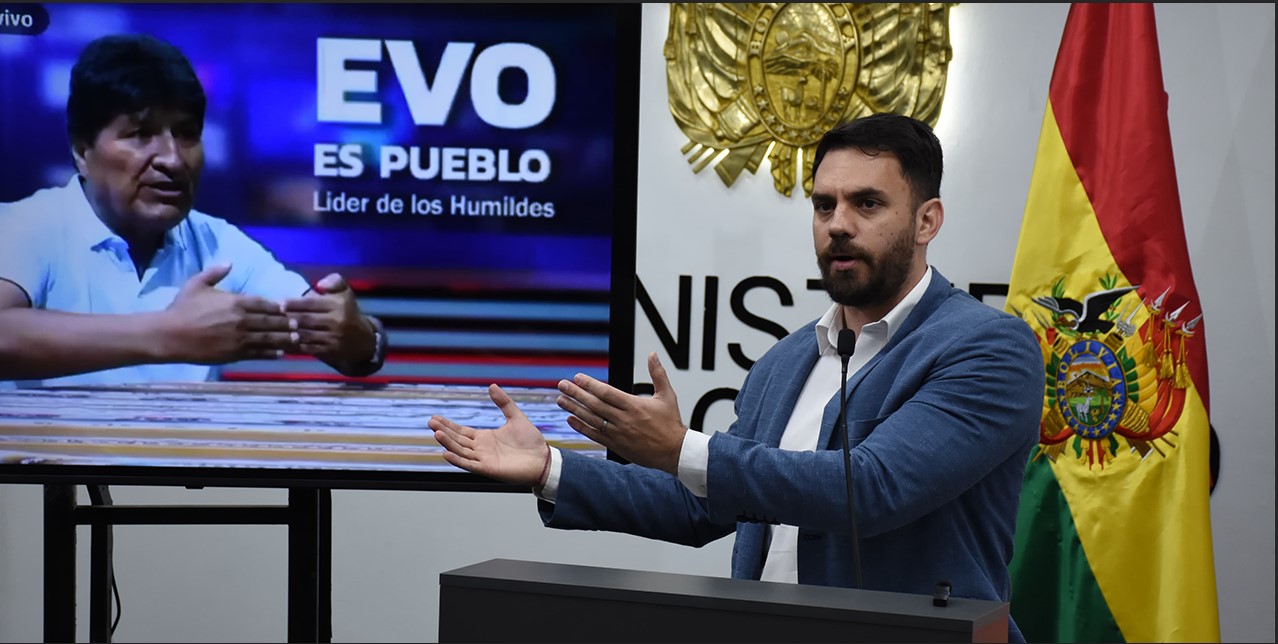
(1116, 372)
(753, 80)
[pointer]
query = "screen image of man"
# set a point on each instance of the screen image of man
(943, 402)
(115, 278)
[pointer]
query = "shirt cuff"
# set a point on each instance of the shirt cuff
(694, 460)
(550, 490)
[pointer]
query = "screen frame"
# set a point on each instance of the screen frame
(627, 20)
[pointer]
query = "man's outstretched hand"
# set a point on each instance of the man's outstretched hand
(515, 453)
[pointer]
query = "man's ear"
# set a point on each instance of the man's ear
(931, 216)
(78, 150)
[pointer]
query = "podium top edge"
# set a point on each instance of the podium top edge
(800, 600)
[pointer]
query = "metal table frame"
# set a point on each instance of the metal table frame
(308, 516)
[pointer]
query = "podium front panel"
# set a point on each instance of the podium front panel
(508, 600)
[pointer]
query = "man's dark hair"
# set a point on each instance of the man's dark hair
(126, 74)
(911, 140)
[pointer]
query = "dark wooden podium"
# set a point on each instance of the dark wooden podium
(504, 600)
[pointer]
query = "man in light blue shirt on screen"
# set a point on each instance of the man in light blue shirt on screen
(114, 278)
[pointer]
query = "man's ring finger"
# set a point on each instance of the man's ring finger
(603, 427)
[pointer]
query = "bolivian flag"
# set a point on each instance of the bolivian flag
(1113, 538)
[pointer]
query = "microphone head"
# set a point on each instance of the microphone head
(847, 342)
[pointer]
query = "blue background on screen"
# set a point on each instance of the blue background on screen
(258, 64)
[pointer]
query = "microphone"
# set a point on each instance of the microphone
(846, 347)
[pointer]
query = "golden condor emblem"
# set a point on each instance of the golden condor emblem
(1116, 372)
(752, 80)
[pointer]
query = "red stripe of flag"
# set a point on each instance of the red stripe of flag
(1108, 97)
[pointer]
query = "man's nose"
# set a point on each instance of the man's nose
(841, 223)
(165, 151)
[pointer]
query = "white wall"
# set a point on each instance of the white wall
(227, 583)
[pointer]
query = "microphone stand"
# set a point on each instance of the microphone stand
(847, 344)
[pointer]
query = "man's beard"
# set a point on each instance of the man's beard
(887, 273)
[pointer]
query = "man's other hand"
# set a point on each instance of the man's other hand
(206, 325)
(329, 324)
(645, 430)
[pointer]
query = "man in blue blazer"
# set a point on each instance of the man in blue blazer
(943, 405)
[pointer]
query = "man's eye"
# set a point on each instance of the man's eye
(187, 132)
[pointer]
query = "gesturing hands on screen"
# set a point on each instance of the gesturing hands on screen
(516, 452)
(206, 325)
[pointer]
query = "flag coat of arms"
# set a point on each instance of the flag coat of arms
(1113, 536)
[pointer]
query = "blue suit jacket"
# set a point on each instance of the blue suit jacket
(941, 422)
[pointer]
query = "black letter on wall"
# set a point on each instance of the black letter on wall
(679, 349)
(753, 321)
